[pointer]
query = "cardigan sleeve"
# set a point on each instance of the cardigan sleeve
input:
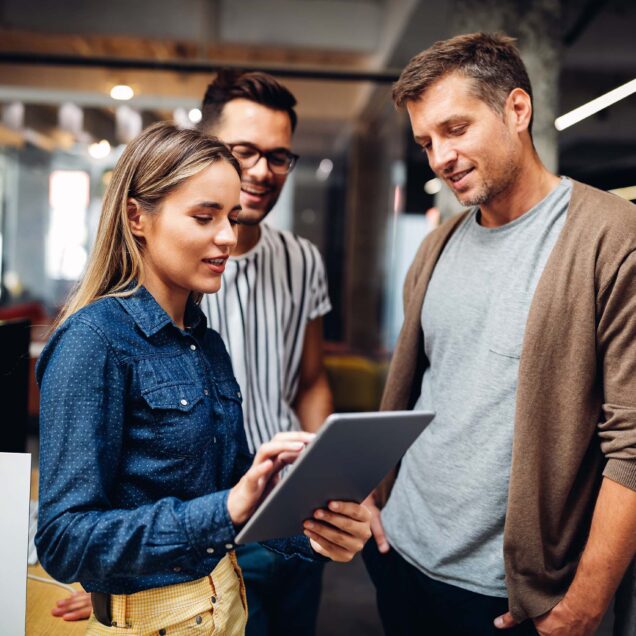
(616, 334)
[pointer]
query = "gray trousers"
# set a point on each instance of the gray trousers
(625, 604)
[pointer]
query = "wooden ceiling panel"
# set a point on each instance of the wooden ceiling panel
(158, 49)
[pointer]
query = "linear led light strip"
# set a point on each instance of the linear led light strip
(576, 115)
(628, 193)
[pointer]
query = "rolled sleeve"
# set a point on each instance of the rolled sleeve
(320, 304)
(617, 344)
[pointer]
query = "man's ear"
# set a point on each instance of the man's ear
(520, 106)
(136, 219)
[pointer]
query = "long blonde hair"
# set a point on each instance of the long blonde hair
(152, 166)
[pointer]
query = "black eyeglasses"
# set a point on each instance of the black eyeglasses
(280, 161)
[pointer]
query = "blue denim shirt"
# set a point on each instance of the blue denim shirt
(141, 438)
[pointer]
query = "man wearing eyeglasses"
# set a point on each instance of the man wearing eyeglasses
(269, 313)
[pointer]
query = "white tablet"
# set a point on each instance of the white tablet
(348, 458)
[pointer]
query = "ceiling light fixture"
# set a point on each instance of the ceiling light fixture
(122, 92)
(433, 186)
(628, 193)
(580, 113)
(99, 150)
(195, 115)
(324, 169)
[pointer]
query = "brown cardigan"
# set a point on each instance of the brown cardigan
(575, 417)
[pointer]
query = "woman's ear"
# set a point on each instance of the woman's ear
(135, 218)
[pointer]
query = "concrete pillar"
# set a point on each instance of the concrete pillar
(536, 25)
(377, 143)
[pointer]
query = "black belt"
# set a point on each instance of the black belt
(101, 608)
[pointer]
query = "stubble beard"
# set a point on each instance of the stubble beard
(258, 215)
(492, 188)
(252, 220)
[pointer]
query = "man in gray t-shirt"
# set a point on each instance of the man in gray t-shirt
(474, 315)
(438, 559)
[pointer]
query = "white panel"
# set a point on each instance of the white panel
(408, 232)
(15, 480)
(281, 216)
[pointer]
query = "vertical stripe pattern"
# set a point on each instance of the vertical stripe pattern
(267, 297)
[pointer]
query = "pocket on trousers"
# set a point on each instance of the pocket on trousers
(200, 625)
(95, 628)
(241, 581)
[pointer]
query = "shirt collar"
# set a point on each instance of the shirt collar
(195, 319)
(150, 317)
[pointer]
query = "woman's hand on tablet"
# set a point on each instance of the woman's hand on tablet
(264, 473)
(340, 531)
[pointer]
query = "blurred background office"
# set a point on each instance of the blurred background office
(80, 78)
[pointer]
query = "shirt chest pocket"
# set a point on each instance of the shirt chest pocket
(509, 324)
(178, 414)
(230, 399)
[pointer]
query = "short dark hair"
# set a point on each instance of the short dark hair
(491, 60)
(256, 86)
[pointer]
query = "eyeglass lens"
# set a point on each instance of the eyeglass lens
(280, 161)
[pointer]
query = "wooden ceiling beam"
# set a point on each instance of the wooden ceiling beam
(159, 49)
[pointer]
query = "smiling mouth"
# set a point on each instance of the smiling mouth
(216, 261)
(458, 176)
(255, 191)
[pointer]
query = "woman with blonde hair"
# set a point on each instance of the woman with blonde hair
(145, 475)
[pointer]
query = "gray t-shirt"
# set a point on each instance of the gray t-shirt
(447, 509)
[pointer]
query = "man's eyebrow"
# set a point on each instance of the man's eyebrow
(454, 119)
(251, 145)
(446, 123)
(236, 208)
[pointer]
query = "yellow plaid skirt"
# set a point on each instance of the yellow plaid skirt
(214, 605)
